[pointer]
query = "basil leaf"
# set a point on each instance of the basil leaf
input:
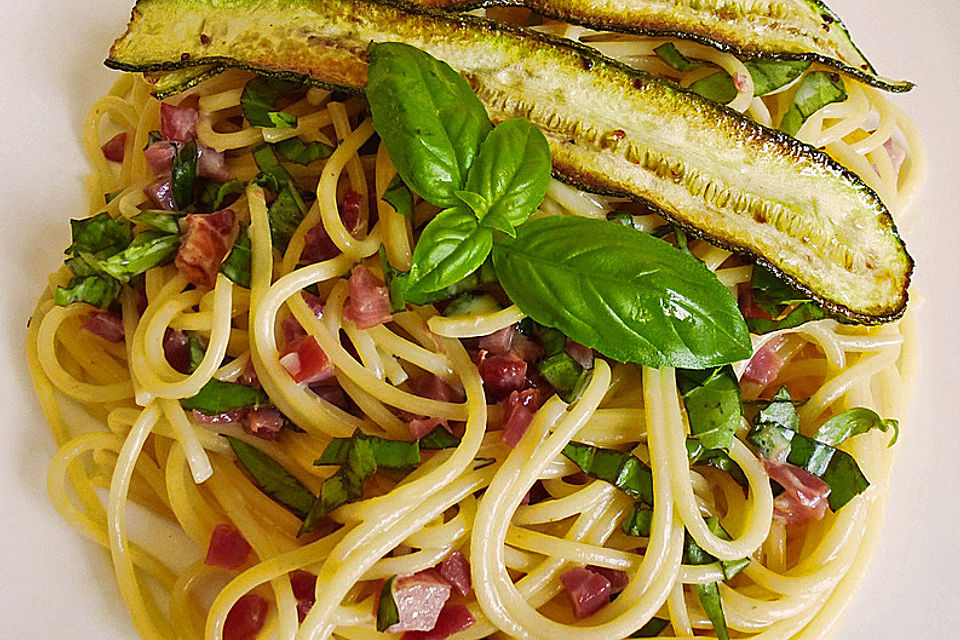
(564, 374)
(387, 612)
(237, 265)
(214, 195)
(98, 291)
(148, 250)
(218, 397)
(111, 196)
(620, 468)
(100, 235)
(787, 308)
(652, 629)
(671, 55)
(768, 76)
(197, 350)
(258, 98)
(183, 173)
(439, 438)
(272, 478)
(276, 176)
(399, 196)
(429, 118)
(709, 595)
(714, 405)
(389, 454)
(854, 422)
(816, 90)
(781, 411)
(638, 522)
(628, 295)
(160, 221)
(697, 454)
(452, 246)
(285, 214)
(510, 174)
(717, 87)
(300, 152)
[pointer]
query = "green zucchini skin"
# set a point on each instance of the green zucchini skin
(611, 129)
(784, 30)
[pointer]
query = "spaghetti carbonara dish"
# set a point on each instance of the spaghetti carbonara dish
(536, 322)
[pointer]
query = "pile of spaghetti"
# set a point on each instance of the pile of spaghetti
(221, 350)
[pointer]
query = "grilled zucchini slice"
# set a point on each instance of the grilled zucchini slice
(611, 129)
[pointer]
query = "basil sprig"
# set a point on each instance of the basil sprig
(258, 99)
(619, 468)
(816, 90)
(714, 405)
(776, 437)
(632, 297)
(218, 397)
(786, 307)
(272, 478)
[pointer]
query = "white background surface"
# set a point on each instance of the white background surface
(54, 584)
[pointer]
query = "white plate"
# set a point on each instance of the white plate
(54, 584)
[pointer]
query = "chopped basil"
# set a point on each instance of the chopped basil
(237, 265)
(258, 99)
(300, 152)
(99, 291)
(854, 422)
(697, 454)
(638, 522)
(266, 180)
(620, 468)
(652, 629)
(709, 594)
(163, 221)
(439, 438)
(776, 438)
(100, 235)
(153, 136)
(816, 90)
(768, 76)
(387, 612)
(276, 176)
(272, 478)
(399, 196)
(714, 405)
(564, 374)
(111, 196)
(183, 173)
(388, 454)
(218, 397)
(285, 214)
(669, 53)
(215, 195)
(148, 250)
(786, 307)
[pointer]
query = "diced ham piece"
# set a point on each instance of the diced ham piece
(748, 307)
(106, 324)
(434, 388)
(159, 156)
(369, 303)
(227, 417)
(161, 194)
(113, 149)
(804, 496)
(502, 374)
(206, 241)
(176, 349)
(454, 618)
(317, 244)
(305, 591)
(421, 426)
(178, 123)
(518, 410)
(500, 341)
(419, 598)
(246, 618)
(331, 391)
(618, 579)
(583, 355)
(305, 361)
(212, 165)
(291, 328)
(228, 548)
(526, 348)
(264, 422)
(587, 591)
(897, 154)
(765, 365)
(455, 569)
(741, 81)
(249, 375)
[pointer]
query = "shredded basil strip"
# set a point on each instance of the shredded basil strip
(214, 195)
(786, 307)
(709, 594)
(816, 90)
(183, 173)
(218, 397)
(258, 99)
(275, 175)
(100, 235)
(620, 468)
(272, 478)
(854, 422)
(714, 405)
(98, 291)
(399, 196)
(776, 437)
(564, 374)
(652, 629)
(638, 522)
(237, 266)
(439, 438)
(669, 53)
(296, 150)
(148, 250)
(285, 215)
(197, 350)
(160, 221)
(387, 612)
(697, 454)
(768, 76)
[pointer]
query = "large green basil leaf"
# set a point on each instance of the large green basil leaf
(628, 295)
(511, 174)
(429, 118)
(452, 246)
(816, 91)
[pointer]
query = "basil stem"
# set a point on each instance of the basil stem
(271, 478)
(652, 629)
